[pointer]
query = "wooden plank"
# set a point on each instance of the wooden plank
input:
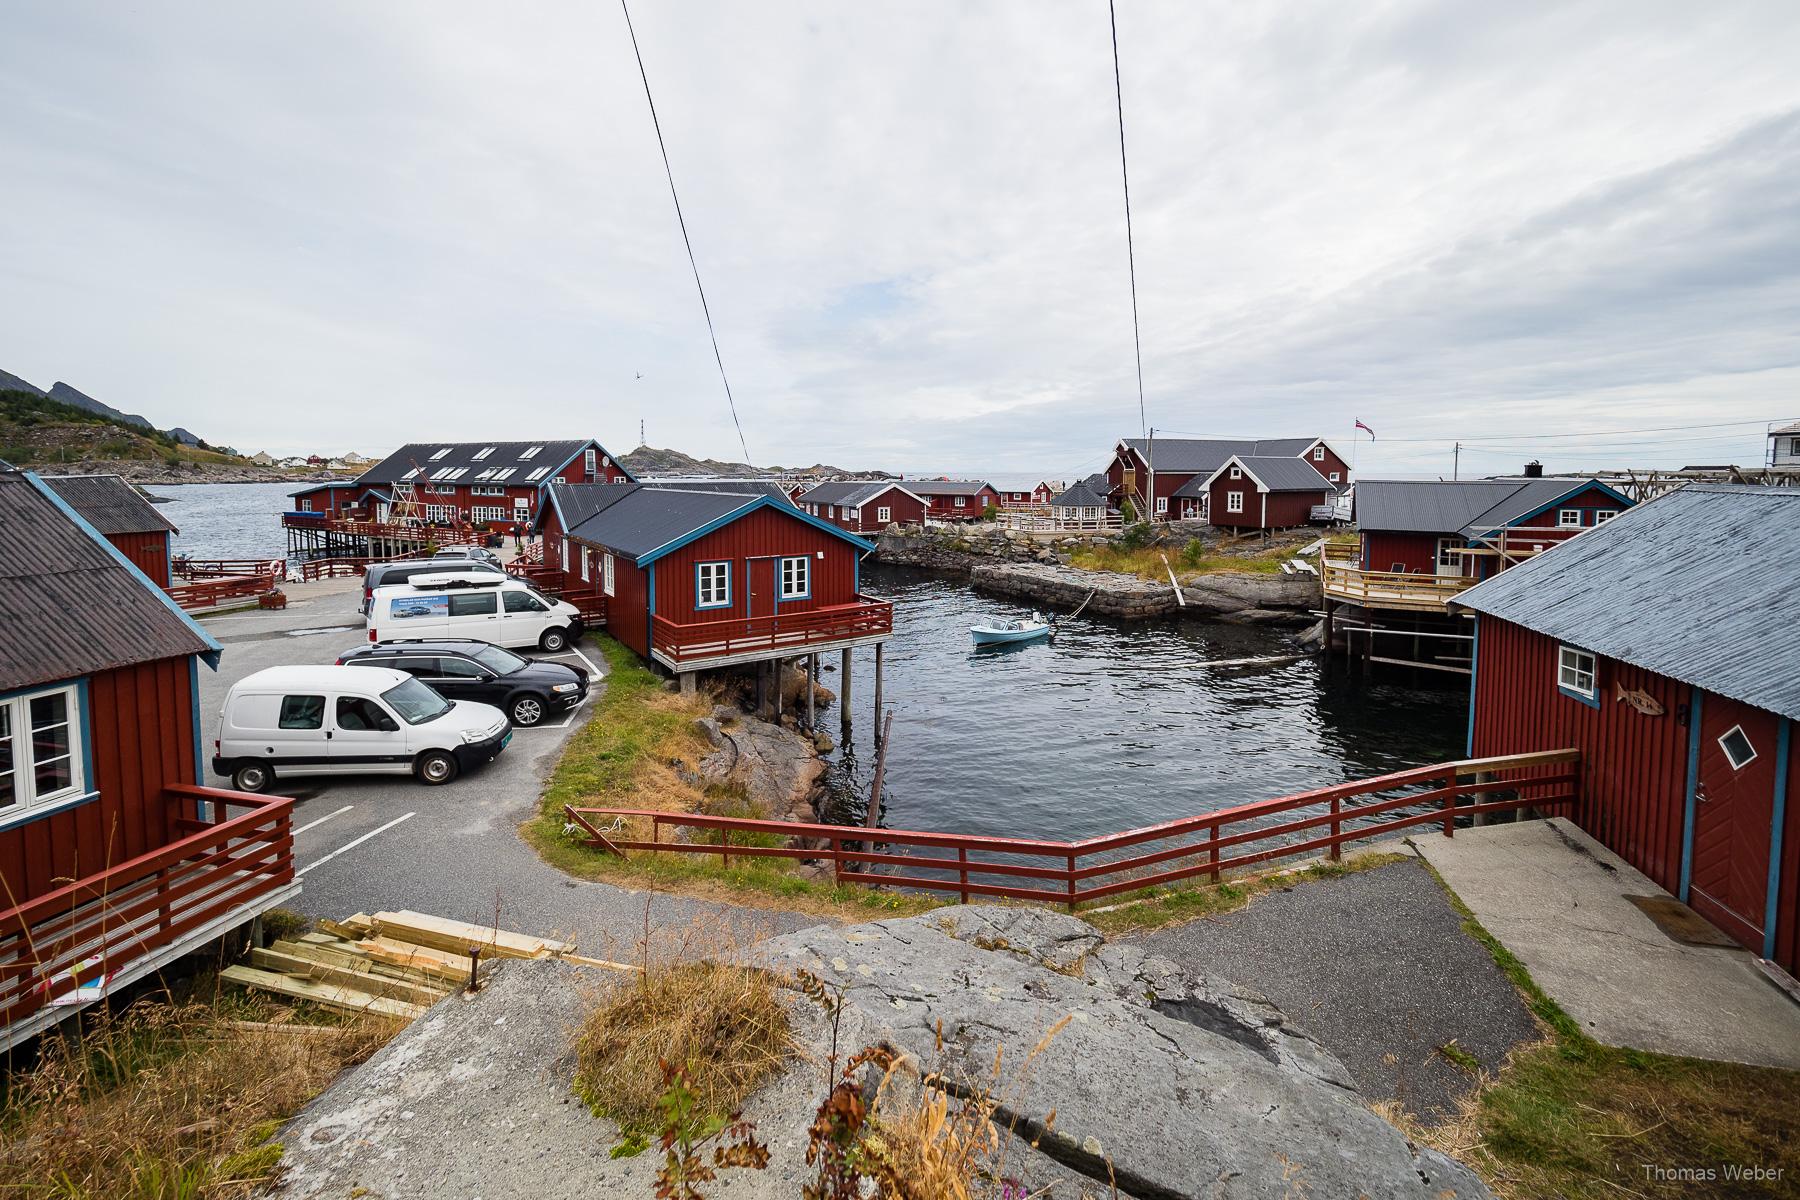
(434, 963)
(330, 995)
(363, 981)
(446, 934)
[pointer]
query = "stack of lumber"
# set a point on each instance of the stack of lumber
(390, 964)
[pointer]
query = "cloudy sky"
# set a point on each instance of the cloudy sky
(344, 225)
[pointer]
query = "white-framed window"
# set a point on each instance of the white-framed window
(962, 502)
(1236, 473)
(1318, 454)
(1162, 504)
(489, 512)
(796, 578)
(440, 512)
(486, 489)
(1603, 515)
(712, 585)
(590, 460)
(1334, 477)
(483, 453)
(853, 514)
(584, 564)
(1234, 502)
(884, 514)
(1448, 556)
(831, 511)
(1568, 518)
(1575, 672)
(306, 506)
(606, 573)
(40, 750)
(565, 556)
(1739, 751)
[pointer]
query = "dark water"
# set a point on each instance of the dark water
(1113, 725)
(226, 520)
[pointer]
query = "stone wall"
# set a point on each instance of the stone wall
(1063, 588)
(964, 547)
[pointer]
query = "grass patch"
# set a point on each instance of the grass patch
(638, 751)
(1162, 907)
(169, 1099)
(1575, 1119)
(723, 1023)
(1146, 562)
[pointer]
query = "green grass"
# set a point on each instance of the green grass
(1147, 562)
(634, 753)
(1576, 1119)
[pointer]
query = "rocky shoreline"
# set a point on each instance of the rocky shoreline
(149, 472)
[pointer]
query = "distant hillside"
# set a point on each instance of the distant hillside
(648, 460)
(12, 383)
(64, 394)
(50, 436)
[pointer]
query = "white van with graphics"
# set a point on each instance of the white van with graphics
(489, 608)
(290, 721)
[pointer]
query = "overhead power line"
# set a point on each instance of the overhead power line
(1590, 435)
(1137, 341)
(730, 401)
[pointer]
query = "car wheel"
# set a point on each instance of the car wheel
(554, 641)
(252, 777)
(527, 710)
(435, 767)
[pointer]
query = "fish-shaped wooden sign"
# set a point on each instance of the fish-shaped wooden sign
(1639, 699)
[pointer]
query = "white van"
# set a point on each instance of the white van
(290, 721)
(469, 604)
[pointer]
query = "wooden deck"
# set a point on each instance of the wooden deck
(696, 645)
(1343, 579)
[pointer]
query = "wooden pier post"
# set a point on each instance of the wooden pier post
(880, 732)
(812, 681)
(776, 668)
(844, 691)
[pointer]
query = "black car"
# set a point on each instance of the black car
(525, 690)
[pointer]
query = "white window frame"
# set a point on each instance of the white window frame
(962, 502)
(606, 573)
(1573, 665)
(1162, 504)
(1603, 515)
(1568, 518)
(1318, 454)
(1334, 477)
(801, 589)
(1236, 473)
(1452, 558)
(584, 565)
(1731, 758)
(565, 556)
(489, 512)
(884, 514)
(505, 473)
(1234, 502)
(27, 801)
(712, 579)
(591, 462)
(853, 514)
(441, 512)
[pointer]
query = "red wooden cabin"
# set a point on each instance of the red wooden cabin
(1250, 492)
(1661, 646)
(1150, 472)
(1038, 495)
(864, 505)
(954, 499)
(114, 861)
(697, 579)
(1474, 527)
(123, 517)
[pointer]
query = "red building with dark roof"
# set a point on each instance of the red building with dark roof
(1152, 473)
(954, 499)
(123, 517)
(864, 505)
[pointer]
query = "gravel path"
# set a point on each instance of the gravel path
(1376, 966)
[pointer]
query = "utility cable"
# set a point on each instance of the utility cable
(1137, 341)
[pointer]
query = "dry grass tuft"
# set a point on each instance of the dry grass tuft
(722, 1022)
(168, 1101)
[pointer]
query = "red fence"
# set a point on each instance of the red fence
(182, 567)
(1208, 844)
(685, 642)
(585, 595)
(101, 923)
(352, 565)
(208, 593)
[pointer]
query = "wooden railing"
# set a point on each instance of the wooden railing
(585, 594)
(208, 593)
(1344, 579)
(354, 565)
(182, 567)
(1078, 872)
(793, 632)
(102, 923)
(1054, 520)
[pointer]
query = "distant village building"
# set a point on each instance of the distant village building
(119, 513)
(1661, 645)
(954, 499)
(263, 458)
(1784, 446)
(1151, 473)
(865, 505)
(1256, 492)
(1082, 506)
(112, 862)
(1036, 496)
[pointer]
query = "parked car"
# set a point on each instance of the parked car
(385, 574)
(526, 691)
(294, 721)
(473, 604)
(456, 553)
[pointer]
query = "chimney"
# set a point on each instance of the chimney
(1534, 469)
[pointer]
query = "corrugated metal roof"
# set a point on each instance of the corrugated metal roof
(435, 458)
(1426, 505)
(646, 519)
(852, 492)
(1527, 497)
(730, 487)
(1699, 585)
(1790, 428)
(579, 501)
(109, 504)
(1209, 454)
(1080, 496)
(944, 487)
(69, 606)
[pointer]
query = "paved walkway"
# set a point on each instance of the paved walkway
(1557, 899)
(1376, 966)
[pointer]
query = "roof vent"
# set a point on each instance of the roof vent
(1534, 469)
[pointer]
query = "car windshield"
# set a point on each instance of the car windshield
(415, 702)
(500, 662)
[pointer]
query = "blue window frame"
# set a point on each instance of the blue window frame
(796, 578)
(712, 585)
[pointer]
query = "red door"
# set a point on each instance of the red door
(761, 574)
(1734, 807)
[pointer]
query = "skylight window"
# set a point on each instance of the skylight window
(440, 454)
(487, 474)
(531, 453)
(483, 453)
(410, 473)
(457, 472)
(537, 474)
(442, 472)
(505, 473)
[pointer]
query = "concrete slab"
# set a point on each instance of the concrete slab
(1556, 898)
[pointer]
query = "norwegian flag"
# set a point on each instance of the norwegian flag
(1366, 430)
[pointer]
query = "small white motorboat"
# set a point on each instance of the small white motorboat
(999, 632)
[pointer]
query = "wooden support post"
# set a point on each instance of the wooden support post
(1479, 798)
(962, 871)
(874, 814)
(1212, 851)
(812, 683)
(844, 691)
(837, 859)
(762, 685)
(687, 683)
(775, 668)
(880, 732)
(1450, 808)
(1337, 850)
(1071, 883)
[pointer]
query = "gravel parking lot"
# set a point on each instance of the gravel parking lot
(390, 842)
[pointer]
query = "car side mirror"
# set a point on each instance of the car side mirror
(488, 677)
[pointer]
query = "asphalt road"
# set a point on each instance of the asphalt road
(364, 844)
(1376, 966)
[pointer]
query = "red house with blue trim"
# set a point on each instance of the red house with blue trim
(1661, 644)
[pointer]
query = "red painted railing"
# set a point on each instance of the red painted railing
(1321, 820)
(207, 593)
(182, 567)
(585, 594)
(688, 642)
(353, 565)
(102, 923)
